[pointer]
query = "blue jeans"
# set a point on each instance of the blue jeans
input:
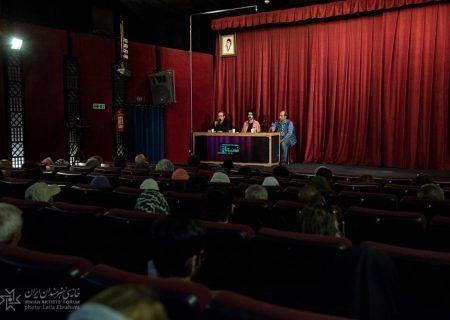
(284, 150)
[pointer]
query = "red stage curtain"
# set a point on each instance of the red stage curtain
(370, 90)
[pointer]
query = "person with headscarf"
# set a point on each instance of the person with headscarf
(41, 191)
(151, 199)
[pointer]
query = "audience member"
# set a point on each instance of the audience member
(151, 200)
(149, 184)
(41, 191)
(62, 163)
(196, 184)
(32, 170)
(122, 302)
(228, 164)
(92, 162)
(317, 219)
(325, 172)
(178, 243)
(282, 172)
(320, 183)
(220, 177)
(311, 195)
(270, 182)
(193, 161)
(6, 167)
(217, 204)
(140, 162)
(10, 224)
(430, 191)
(164, 165)
(245, 170)
(47, 162)
(100, 182)
(120, 161)
(180, 174)
(256, 191)
(422, 179)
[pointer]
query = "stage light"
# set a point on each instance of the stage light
(16, 43)
(266, 1)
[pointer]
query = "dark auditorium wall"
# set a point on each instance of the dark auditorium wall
(44, 91)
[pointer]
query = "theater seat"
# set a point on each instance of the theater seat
(429, 208)
(438, 234)
(182, 299)
(373, 200)
(228, 305)
(394, 227)
(225, 255)
(252, 212)
(286, 267)
(424, 281)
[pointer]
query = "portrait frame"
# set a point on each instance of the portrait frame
(227, 44)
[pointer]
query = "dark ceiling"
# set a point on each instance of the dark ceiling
(160, 22)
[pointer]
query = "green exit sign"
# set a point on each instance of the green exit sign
(98, 106)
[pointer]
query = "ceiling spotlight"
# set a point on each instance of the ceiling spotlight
(16, 43)
(266, 1)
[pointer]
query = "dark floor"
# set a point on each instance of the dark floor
(360, 170)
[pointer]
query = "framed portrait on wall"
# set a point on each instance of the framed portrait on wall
(228, 45)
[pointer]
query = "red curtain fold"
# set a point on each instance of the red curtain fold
(372, 90)
(309, 13)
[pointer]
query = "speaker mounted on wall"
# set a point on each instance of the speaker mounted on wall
(162, 86)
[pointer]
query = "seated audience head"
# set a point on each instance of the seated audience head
(93, 162)
(282, 172)
(317, 219)
(62, 163)
(430, 191)
(220, 177)
(5, 164)
(180, 174)
(98, 157)
(179, 242)
(270, 182)
(164, 165)
(245, 170)
(228, 164)
(121, 302)
(149, 184)
(422, 179)
(193, 161)
(41, 191)
(10, 224)
(140, 158)
(311, 195)
(120, 161)
(32, 170)
(47, 162)
(196, 184)
(325, 172)
(217, 204)
(320, 183)
(100, 182)
(256, 191)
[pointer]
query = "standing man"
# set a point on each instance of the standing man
(251, 125)
(286, 129)
(221, 124)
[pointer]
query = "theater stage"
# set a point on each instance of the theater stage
(360, 170)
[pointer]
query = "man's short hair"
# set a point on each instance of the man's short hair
(217, 204)
(10, 222)
(256, 191)
(430, 191)
(165, 165)
(324, 172)
(176, 240)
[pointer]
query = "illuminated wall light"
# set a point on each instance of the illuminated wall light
(16, 43)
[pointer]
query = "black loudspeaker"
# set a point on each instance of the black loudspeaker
(162, 86)
(102, 21)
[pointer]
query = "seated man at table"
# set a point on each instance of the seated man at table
(221, 124)
(287, 132)
(251, 125)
